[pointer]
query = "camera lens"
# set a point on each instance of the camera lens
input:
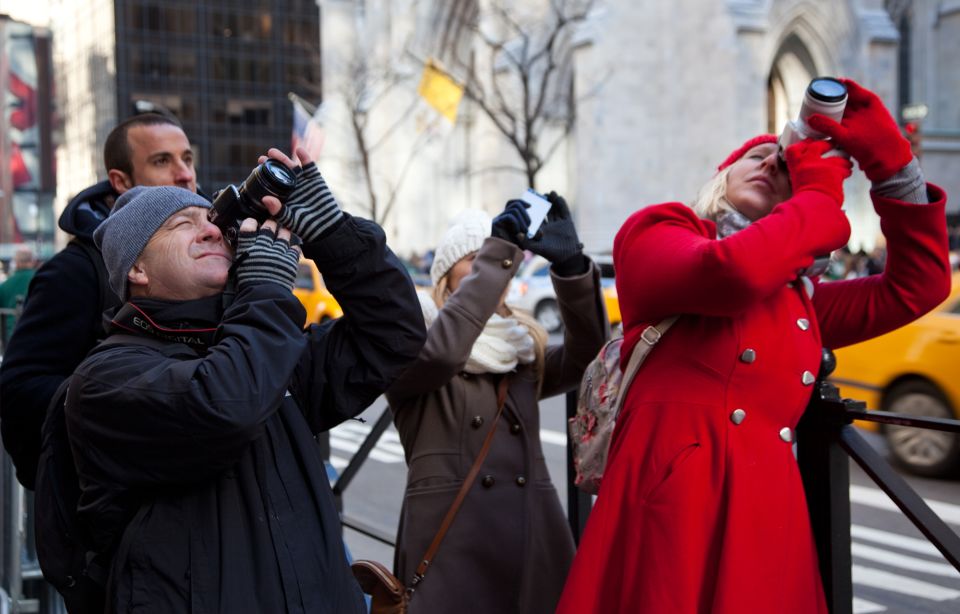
(269, 179)
(826, 89)
(279, 180)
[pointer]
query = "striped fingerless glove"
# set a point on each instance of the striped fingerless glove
(311, 209)
(263, 258)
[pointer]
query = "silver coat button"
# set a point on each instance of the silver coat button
(808, 378)
(748, 355)
(737, 416)
(786, 434)
(803, 323)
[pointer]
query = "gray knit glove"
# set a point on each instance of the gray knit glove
(263, 258)
(311, 209)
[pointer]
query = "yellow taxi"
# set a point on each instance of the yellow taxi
(612, 301)
(914, 370)
(313, 294)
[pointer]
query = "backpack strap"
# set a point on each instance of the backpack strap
(650, 336)
(97, 564)
(167, 348)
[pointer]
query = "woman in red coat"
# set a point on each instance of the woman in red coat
(702, 508)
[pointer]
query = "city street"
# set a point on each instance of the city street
(895, 570)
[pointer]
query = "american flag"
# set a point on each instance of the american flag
(307, 127)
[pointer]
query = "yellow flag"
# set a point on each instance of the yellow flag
(440, 91)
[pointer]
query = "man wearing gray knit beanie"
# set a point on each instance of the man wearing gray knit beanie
(192, 425)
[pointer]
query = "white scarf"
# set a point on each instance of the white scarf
(502, 344)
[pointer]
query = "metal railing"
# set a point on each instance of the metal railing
(23, 586)
(826, 440)
(578, 502)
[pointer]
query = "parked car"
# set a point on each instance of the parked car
(532, 290)
(913, 370)
(313, 294)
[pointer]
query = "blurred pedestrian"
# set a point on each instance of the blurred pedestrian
(509, 546)
(14, 289)
(701, 508)
(63, 314)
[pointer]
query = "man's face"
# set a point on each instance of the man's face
(160, 154)
(185, 259)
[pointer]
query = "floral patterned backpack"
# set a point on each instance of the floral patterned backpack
(601, 396)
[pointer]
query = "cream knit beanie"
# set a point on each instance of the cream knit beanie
(464, 236)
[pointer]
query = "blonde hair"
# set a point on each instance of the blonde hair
(441, 292)
(712, 200)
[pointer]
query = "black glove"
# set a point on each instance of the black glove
(263, 258)
(512, 224)
(311, 208)
(557, 240)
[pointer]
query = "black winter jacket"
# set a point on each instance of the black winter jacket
(201, 473)
(61, 322)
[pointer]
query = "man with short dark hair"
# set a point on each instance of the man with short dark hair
(62, 315)
(192, 425)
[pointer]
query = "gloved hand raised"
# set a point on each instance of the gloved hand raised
(311, 209)
(265, 256)
(557, 240)
(868, 133)
(512, 224)
(809, 170)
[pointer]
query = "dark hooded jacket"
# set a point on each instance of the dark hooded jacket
(61, 322)
(198, 468)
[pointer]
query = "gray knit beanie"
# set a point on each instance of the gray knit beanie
(135, 217)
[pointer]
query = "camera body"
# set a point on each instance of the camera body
(232, 205)
(825, 96)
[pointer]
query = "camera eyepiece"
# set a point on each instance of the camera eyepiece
(232, 205)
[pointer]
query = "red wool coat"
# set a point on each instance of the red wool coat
(702, 508)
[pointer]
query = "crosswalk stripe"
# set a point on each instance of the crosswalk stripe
(554, 437)
(877, 578)
(874, 497)
(862, 606)
(386, 442)
(895, 559)
(346, 445)
(896, 540)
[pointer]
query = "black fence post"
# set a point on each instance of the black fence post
(579, 503)
(825, 470)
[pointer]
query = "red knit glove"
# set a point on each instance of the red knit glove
(868, 133)
(809, 170)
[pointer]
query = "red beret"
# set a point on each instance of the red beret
(738, 153)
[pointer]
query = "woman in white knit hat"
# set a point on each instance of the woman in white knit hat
(509, 547)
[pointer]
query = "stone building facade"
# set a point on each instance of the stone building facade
(663, 90)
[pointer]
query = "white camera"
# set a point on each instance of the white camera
(825, 96)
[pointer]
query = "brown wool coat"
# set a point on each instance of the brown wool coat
(509, 547)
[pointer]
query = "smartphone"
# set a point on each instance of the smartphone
(537, 208)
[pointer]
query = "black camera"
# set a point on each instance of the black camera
(232, 205)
